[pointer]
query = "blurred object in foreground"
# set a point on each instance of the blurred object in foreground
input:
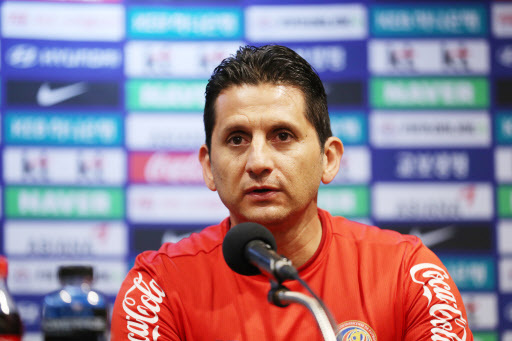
(11, 328)
(76, 311)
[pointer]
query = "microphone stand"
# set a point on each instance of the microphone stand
(281, 296)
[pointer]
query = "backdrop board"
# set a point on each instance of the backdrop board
(101, 119)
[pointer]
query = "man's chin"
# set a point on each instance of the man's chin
(267, 217)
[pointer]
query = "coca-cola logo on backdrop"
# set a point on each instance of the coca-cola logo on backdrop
(166, 167)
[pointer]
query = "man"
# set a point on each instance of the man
(268, 147)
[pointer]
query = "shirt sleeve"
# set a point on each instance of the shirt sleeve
(142, 310)
(433, 306)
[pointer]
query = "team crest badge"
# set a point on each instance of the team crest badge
(355, 331)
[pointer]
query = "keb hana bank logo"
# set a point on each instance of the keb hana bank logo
(447, 320)
(141, 318)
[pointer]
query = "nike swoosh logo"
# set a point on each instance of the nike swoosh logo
(434, 237)
(47, 96)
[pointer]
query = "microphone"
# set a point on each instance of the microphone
(248, 249)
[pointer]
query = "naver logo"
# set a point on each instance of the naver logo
(347, 201)
(165, 95)
(504, 194)
(429, 92)
(64, 202)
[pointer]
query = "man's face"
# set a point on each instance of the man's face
(265, 159)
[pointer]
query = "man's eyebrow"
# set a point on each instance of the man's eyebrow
(234, 127)
(276, 125)
(283, 125)
(271, 126)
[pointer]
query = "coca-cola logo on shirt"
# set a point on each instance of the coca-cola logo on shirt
(141, 319)
(445, 312)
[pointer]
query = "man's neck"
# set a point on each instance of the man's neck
(299, 242)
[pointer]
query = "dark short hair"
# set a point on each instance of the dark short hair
(269, 64)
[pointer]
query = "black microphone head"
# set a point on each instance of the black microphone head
(235, 241)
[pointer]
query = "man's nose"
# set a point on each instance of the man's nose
(259, 159)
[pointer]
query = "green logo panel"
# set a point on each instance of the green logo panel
(485, 336)
(505, 201)
(347, 201)
(429, 93)
(64, 202)
(172, 95)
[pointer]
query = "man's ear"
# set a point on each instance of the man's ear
(333, 151)
(204, 159)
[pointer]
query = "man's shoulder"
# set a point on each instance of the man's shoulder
(364, 233)
(376, 245)
(202, 243)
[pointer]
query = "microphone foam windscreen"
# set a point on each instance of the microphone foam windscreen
(235, 241)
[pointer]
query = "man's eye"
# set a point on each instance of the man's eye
(283, 136)
(236, 140)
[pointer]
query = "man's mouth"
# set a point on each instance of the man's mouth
(262, 190)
